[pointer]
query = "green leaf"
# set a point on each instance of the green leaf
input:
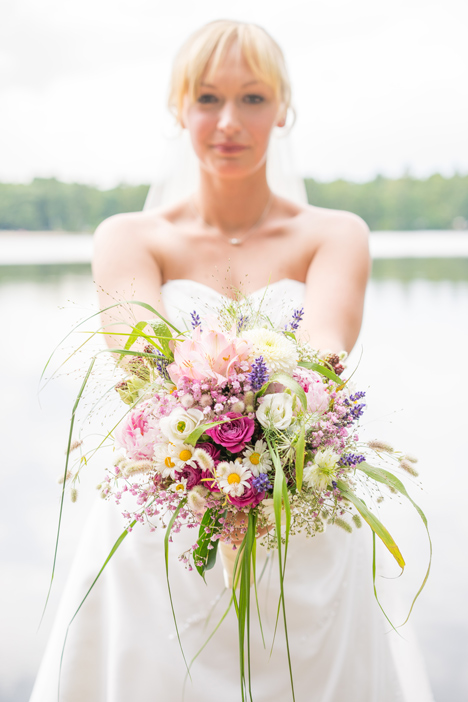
(288, 382)
(135, 334)
(384, 476)
(323, 370)
(166, 559)
(164, 336)
(193, 437)
(374, 523)
(211, 521)
(300, 449)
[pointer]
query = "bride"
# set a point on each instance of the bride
(229, 90)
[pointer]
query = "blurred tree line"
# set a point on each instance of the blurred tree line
(385, 204)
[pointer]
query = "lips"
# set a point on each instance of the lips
(229, 148)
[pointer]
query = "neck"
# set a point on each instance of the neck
(232, 205)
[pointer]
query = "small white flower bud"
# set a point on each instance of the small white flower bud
(238, 406)
(186, 401)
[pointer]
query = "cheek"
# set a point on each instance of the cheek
(200, 127)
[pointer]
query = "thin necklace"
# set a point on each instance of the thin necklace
(234, 240)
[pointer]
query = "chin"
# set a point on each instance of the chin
(231, 170)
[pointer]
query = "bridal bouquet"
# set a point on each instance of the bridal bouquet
(240, 431)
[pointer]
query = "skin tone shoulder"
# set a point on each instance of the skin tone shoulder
(230, 123)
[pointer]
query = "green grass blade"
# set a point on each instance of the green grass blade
(374, 523)
(288, 382)
(62, 498)
(166, 560)
(300, 449)
(111, 553)
(323, 370)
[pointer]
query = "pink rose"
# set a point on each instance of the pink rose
(235, 434)
(249, 498)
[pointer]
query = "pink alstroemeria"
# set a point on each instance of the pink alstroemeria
(207, 355)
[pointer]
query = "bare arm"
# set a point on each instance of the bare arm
(336, 285)
(125, 268)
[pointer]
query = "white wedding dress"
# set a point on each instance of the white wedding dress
(122, 645)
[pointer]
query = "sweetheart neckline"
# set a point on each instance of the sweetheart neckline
(216, 292)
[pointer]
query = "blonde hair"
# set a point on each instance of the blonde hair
(209, 44)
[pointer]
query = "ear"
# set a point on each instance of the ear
(281, 117)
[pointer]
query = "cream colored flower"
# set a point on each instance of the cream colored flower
(278, 352)
(182, 454)
(232, 477)
(319, 474)
(180, 423)
(257, 459)
(164, 460)
(276, 411)
(179, 486)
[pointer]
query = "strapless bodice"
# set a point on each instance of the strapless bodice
(183, 296)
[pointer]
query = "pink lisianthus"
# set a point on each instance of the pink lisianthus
(138, 433)
(233, 435)
(249, 498)
(207, 355)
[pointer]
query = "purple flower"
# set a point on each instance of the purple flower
(235, 434)
(262, 483)
(259, 374)
(196, 321)
(249, 498)
(296, 318)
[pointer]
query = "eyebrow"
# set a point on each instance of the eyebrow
(209, 85)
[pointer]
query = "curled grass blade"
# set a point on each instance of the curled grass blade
(387, 478)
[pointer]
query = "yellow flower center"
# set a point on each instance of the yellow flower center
(233, 478)
(185, 455)
(168, 462)
(181, 426)
(254, 458)
(180, 487)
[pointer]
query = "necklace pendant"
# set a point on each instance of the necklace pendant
(235, 242)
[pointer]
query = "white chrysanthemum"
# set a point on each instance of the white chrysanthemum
(319, 474)
(164, 461)
(257, 459)
(232, 477)
(196, 499)
(278, 352)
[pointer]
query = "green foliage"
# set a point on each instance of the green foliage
(385, 204)
(398, 205)
(48, 204)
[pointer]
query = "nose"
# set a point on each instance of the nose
(229, 119)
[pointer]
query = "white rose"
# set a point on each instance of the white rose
(180, 423)
(276, 411)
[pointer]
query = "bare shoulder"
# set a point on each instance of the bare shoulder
(129, 230)
(337, 227)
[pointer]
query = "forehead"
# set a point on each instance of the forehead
(231, 69)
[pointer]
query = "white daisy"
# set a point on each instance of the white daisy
(179, 486)
(164, 461)
(278, 352)
(182, 454)
(232, 478)
(257, 459)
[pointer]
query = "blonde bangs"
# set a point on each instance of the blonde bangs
(206, 49)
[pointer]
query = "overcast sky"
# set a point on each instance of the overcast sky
(379, 87)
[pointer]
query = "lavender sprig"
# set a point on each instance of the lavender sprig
(351, 459)
(259, 374)
(196, 321)
(262, 483)
(296, 318)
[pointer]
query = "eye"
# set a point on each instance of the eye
(207, 99)
(253, 99)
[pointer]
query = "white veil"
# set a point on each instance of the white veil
(180, 178)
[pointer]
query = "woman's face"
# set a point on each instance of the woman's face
(231, 119)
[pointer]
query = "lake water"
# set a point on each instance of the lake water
(412, 344)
